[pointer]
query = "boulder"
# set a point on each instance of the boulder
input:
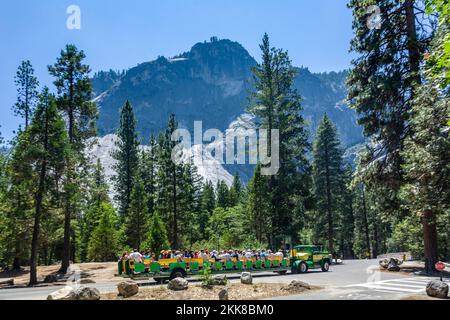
(384, 263)
(437, 289)
(246, 278)
(223, 294)
(178, 284)
(89, 294)
(51, 278)
(393, 265)
(297, 285)
(66, 293)
(87, 281)
(219, 280)
(128, 289)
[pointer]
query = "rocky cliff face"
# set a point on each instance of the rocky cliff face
(210, 83)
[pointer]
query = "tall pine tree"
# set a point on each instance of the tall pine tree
(137, 218)
(74, 88)
(127, 157)
(43, 149)
(27, 91)
(276, 104)
(328, 180)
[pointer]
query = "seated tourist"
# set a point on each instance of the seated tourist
(215, 256)
(179, 256)
(204, 256)
(279, 253)
(124, 256)
(136, 256)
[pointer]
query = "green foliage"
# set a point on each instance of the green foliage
(381, 83)
(407, 237)
(206, 277)
(104, 241)
(74, 97)
(97, 197)
(157, 237)
(178, 194)
(439, 58)
(258, 206)
(147, 170)
(137, 218)
(227, 227)
(42, 151)
(328, 181)
(276, 104)
(236, 191)
(223, 195)
(127, 157)
(27, 91)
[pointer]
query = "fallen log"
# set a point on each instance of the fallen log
(9, 282)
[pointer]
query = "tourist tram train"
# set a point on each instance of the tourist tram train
(300, 259)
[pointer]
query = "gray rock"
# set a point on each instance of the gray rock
(246, 278)
(298, 285)
(384, 263)
(51, 278)
(87, 293)
(437, 289)
(178, 284)
(393, 265)
(223, 294)
(66, 293)
(219, 280)
(87, 281)
(128, 288)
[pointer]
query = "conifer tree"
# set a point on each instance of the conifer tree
(382, 86)
(98, 196)
(276, 104)
(137, 219)
(147, 170)
(236, 190)
(104, 242)
(170, 174)
(258, 206)
(43, 149)
(127, 157)
(427, 154)
(207, 206)
(74, 89)
(157, 238)
(328, 180)
(27, 91)
(223, 195)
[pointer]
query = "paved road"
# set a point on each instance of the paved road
(355, 279)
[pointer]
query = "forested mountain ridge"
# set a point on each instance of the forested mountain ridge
(210, 83)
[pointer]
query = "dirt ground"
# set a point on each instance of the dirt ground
(236, 291)
(90, 272)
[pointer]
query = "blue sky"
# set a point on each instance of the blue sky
(117, 34)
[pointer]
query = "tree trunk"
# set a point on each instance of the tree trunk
(17, 263)
(175, 214)
(329, 204)
(366, 222)
(413, 46)
(65, 258)
(37, 215)
(430, 240)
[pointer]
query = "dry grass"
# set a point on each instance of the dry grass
(421, 297)
(236, 291)
(96, 272)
